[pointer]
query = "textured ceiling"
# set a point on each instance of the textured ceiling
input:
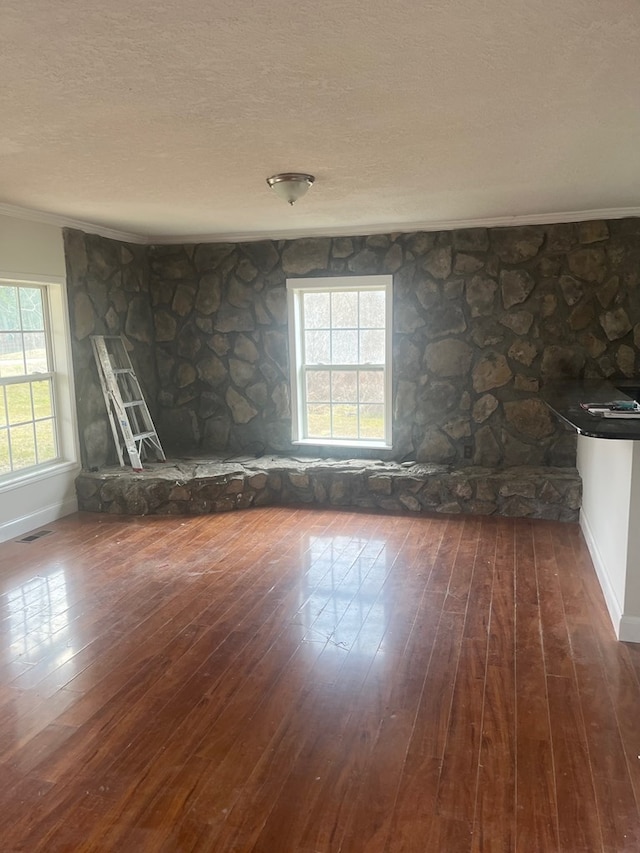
(165, 120)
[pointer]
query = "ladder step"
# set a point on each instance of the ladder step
(123, 370)
(130, 403)
(144, 434)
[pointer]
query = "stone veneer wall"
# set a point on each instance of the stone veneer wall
(482, 318)
(108, 294)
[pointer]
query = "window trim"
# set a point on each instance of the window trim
(295, 288)
(59, 343)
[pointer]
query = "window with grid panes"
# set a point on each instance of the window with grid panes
(340, 347)
(28, 435)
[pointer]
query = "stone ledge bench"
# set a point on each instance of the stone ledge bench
(198, 486)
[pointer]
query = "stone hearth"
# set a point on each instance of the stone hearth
(198, 486)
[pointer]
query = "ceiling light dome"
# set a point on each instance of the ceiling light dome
(290, 186)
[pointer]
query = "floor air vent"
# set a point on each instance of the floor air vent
(33, 536)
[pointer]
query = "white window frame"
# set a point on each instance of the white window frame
(296, 287)
(61, 373)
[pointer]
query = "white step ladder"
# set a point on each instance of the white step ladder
(131, 423)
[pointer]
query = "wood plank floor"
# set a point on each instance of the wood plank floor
(283, 680)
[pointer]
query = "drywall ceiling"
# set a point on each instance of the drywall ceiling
(164, 120)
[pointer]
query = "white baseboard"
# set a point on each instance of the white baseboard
(43, 515)
(613, 605)
(629, 629)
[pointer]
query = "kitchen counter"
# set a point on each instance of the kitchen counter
(564, 399)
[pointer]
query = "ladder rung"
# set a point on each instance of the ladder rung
(144, 434)
(122, 369)
(128, 405)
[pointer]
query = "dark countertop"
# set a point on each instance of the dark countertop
(564, 398)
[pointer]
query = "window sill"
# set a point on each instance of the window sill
(334, 442)
(34, 475)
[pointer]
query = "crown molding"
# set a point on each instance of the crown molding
(405, 227)
(31, 278)
(56, 219)
(330, 231)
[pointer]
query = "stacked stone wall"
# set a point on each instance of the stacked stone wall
(482, 319)
(108, 294)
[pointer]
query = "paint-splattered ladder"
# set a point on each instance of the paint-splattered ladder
(131, 423)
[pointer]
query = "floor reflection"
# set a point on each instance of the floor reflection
(342, 594)
(38, 619)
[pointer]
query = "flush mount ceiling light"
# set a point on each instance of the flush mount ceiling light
(290, 186)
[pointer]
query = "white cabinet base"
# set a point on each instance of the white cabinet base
(610, 521)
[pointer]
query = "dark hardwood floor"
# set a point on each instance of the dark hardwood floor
(284, 680)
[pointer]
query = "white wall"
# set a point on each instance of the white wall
(31, 248)
(32, 251)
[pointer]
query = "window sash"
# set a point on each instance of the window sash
(360, 407)
(23, 378)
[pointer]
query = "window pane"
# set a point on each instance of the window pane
(317, 349)
(371, 386)
(345, 421)
(317, 310)
(35, 347)
(5, 465)
(42, 406)
(371, 421)
(344, 310)
(3, 408)
(372, 346)
(23, 446)
(344, 347)
(318, 386)
(11, 355)
(9, 312)
(31, 308)
(319, 421)
(372, 309)
(19, 403)
(45, 441)
(344, 386)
